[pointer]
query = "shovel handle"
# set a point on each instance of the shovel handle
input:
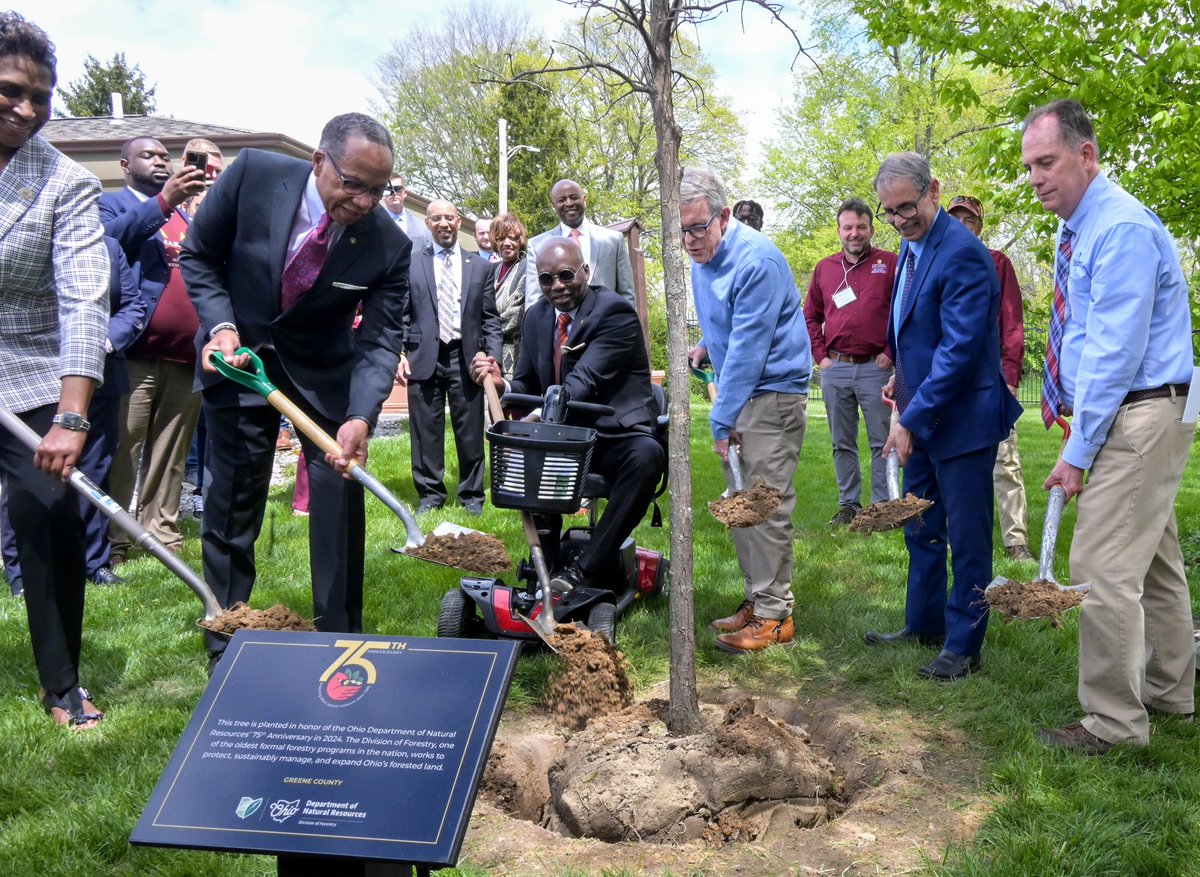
(252, 378)
(1054, 510)
(127, 522)
(735, 468)
(255, 379)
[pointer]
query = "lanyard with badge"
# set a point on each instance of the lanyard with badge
(845, 294)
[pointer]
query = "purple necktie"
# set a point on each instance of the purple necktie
(301, 273)
(1051, 395)
(903, 396)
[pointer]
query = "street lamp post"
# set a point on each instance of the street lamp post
(507, 152)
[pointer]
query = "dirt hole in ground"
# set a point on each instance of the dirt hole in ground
(754, 773)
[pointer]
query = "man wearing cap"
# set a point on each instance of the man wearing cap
(1118, 358)
(847, 316)
(1007, 481)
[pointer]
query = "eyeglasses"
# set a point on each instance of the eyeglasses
(904, 211)
(354, 188)
(700, 232)
(566, 275)
(966, 199)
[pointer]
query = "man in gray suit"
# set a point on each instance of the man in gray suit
(407, 221)
(604, 250)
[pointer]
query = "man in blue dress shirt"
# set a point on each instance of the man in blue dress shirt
(1120, 370)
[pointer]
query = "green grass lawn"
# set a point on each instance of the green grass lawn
(69, 801)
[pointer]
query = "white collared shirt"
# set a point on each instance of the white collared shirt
(585, 238)
(307, 216)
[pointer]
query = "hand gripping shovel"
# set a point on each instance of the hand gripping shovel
(895, 511)
(255, 378)
(543, 625)
(127, 522)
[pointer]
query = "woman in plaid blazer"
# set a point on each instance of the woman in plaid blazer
(53, 323)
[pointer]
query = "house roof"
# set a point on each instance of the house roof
(107, 128)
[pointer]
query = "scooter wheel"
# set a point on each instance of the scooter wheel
(602, 620)
(455, 616)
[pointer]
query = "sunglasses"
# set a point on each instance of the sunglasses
(566, 275)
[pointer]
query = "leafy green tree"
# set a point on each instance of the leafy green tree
(91, 94)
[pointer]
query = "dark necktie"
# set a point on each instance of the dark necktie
(560, 341)
(1051, 394)
(903, 395)
(301, 273)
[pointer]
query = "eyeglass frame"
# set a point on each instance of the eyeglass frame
(703, 229)
(565, 276)
(354, 188)
(905, 211)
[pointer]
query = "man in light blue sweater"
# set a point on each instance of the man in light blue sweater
(754, 333)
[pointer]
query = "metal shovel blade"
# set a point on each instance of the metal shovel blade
(1054, 510)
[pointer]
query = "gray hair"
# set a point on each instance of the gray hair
(901, 166)
(341, 128)
(700, 183)
(1074, 126)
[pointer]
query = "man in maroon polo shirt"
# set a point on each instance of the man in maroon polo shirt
(847, 315)
(1006, 477)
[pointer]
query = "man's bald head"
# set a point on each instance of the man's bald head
(569, 202)
(562, 274)
(443, 222)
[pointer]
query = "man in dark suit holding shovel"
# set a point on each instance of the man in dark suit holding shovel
(588, 340)
(281, 258)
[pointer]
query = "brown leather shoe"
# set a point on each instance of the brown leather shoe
(737, 620)
(757, 635)
(1074, 738)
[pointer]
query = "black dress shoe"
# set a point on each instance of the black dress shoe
(568, 579)
(105, 576)
(474, 508)
(428, 506)
(904, 636)
(949, 667)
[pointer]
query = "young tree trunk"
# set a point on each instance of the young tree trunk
(683, 713)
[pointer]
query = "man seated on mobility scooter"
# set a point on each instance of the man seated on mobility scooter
(588, 340)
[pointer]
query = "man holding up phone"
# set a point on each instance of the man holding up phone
(158, 417)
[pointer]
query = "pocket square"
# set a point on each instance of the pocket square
(337, 284)
(578, 348)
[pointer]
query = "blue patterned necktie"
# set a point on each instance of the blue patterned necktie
(447, 295)
(1051, 394)
(903, 396)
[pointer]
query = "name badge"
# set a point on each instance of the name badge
(843, 297)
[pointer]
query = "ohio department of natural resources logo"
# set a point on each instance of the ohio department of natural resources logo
(348, 679)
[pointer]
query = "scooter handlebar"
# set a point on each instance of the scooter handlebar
(525, 400)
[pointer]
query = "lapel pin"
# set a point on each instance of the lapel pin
(25, 194)
(353, 241)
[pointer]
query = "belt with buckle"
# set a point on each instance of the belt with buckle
(1162, 392)
(847, 357)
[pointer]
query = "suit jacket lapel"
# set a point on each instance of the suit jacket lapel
(20, 183)
(345, 251)
(546, 347)
(284, 205)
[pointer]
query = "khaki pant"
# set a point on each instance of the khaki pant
(158, 420)
(1010, 492)
(1135, 626)
(772, 430)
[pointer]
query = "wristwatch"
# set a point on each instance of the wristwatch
(72, 421)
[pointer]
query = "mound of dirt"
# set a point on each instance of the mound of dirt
(889, 515)
(591, 679)
(242, 617)
(747, 508)
(1025, 601)
(475, 552)
(624, 778)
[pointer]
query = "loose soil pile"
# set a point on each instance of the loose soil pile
(475, 552)
(747, 508)
(889, 515)
(1028, 600)
(242, 617)
(865, 792)
(591, 679)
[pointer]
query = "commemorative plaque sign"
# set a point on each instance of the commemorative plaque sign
(328, 744)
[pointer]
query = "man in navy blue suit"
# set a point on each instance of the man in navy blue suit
(954, 410)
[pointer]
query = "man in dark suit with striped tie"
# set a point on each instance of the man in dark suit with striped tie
(451, 316)
(954, 410)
